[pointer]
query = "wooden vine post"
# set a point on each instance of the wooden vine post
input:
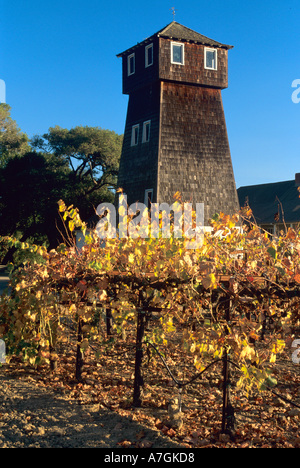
(228, 417)
(109, 322)
(79, 352)
(53, 325)
(138, 377)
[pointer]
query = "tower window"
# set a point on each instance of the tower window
(210, 61)
(177, 53)
(148, 55)
(135, 135)
(131, 64)
(146, 131)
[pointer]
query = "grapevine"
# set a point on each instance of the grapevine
(234, 299)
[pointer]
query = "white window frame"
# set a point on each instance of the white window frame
(146, 198)
(134, 135)
(209, 49)
(178, 44)
(147, 64)
(144, 137)
(129, 70)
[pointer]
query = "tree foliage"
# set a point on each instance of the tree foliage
(92, 154)
(29, 189)
(79, 165)
(13, 142)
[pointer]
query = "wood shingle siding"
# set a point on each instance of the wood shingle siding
(188, 149)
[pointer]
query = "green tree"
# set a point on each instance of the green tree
(13, 142)
(30, 187)
(78, 165)
(93, 155)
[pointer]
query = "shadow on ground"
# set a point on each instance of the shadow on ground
(31, 416)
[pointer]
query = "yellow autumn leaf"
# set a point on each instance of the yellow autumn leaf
(131, 258)
(38, 295)
(21, 285)
(247, 352)
(62, 206)
(122, 210)
(273, 357)
(209, 281)
(71, 225)
(193, 347)
(170, 326)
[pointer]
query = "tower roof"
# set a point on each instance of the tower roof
(179, 32)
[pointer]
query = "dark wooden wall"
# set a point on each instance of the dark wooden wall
(188, 149)
(194, 156)
(193, 70)
(138, 165)
(143, 76)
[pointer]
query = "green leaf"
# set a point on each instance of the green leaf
(270, 382)
(271, 251)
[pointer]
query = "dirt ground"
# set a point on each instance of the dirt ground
(36, 417)
(42, 411)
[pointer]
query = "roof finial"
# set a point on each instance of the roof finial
(173, 12)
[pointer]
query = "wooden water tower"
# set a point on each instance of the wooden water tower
(175, 135)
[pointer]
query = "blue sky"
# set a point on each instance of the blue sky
(58, 60)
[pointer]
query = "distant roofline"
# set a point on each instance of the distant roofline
(267, 183)
(264, 199)
(186, 35)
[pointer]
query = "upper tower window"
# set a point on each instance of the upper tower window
(146, 131)
(210, 61)
(131, 64)
(177, 53)
(148, 55)
(135, 135)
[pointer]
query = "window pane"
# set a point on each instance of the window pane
(147, 137)
(177, 54)
(135, 135)
(131, 64)
(211, 59)
(146, 131)
(149, 55)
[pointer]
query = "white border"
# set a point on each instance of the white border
(144, 131)
(181, 45)
(209, 49)
(133, 143)
(150, 46)
(128, 64)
